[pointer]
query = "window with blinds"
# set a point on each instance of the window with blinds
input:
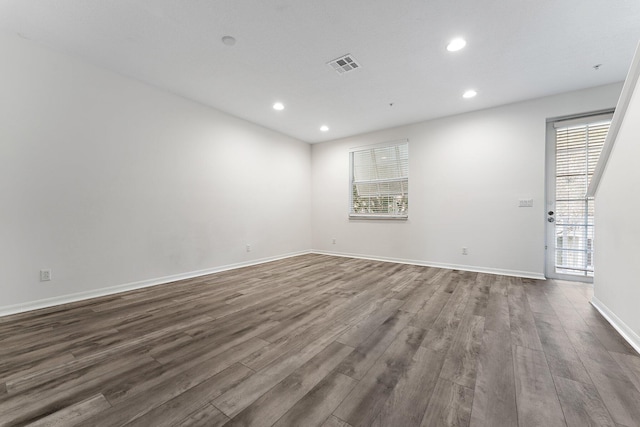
(578, 148)
(380, 181)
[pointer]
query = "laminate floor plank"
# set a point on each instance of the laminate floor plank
(591, 315)
(443, 330)
(218, 361)
(611, 340)
(366, 354)
(305, 317)
(423, 293)
(46, 334)
(497, 313)
(173, 411)
(246, 318)
(620, 397)
(296, 342)
(409, 289)
(561, 355)
(34, 321)
(449, 406)
(18, 348)
(565, 310)
(137, 406)
(494, 396)
(523, 327)
(578, 293)
(74, 414)
(317, 405)
(319, 340)
(35, 403)
(215, 343)
(37, 366)
(615, 386)
(333, 421)
(431, 308)
(207, 416)
(57, 380)
(39, 355)
(136, 303)
(589, 348)
(536, 397)
(122, 345)
(362, 405)
(409, 399)
(253, 304)
(87, 368)
(462, 357)
(272, 405)
(171, 341)
(182, 313)
(238, 398)
(630, 365)
(361, 330)
(480, 288)
(401, 282)
(581, 404)
(537, 298)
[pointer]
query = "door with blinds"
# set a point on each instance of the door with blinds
(574, 147)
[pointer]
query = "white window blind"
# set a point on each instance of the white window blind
(578, 147)
(380, 181)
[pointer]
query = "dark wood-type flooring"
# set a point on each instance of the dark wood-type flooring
(316, 340)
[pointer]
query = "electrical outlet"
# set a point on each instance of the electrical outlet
(333, 241)
(465, 251)
(45, 275)
(248, 248)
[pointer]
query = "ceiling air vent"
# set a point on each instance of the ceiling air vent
(344, 64)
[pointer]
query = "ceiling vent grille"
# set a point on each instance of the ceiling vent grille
(344, 64)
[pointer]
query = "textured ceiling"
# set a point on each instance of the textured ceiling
(516, 50)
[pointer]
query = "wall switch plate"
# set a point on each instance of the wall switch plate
(465, 251)
(248, 248)
(525, 203)
(333, 241)
(45, 275)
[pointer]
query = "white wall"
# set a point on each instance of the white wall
(466, 175)
(108, 181)
(617, 219)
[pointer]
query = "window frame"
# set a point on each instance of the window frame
(376, 216)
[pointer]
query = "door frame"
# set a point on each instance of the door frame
(549, 199)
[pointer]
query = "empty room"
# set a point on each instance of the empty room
(319, 213)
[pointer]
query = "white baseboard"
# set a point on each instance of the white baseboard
(475, 269)
(79, 296)
(627, 333)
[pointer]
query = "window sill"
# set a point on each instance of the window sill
(383, 217)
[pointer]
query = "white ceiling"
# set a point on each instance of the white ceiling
(516, 50)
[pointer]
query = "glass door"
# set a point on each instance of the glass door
(573, 150)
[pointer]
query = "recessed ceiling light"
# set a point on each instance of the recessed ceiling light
(228, 40)
(469, 94)
(278, 106)
(324, 128)
(456, 44)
